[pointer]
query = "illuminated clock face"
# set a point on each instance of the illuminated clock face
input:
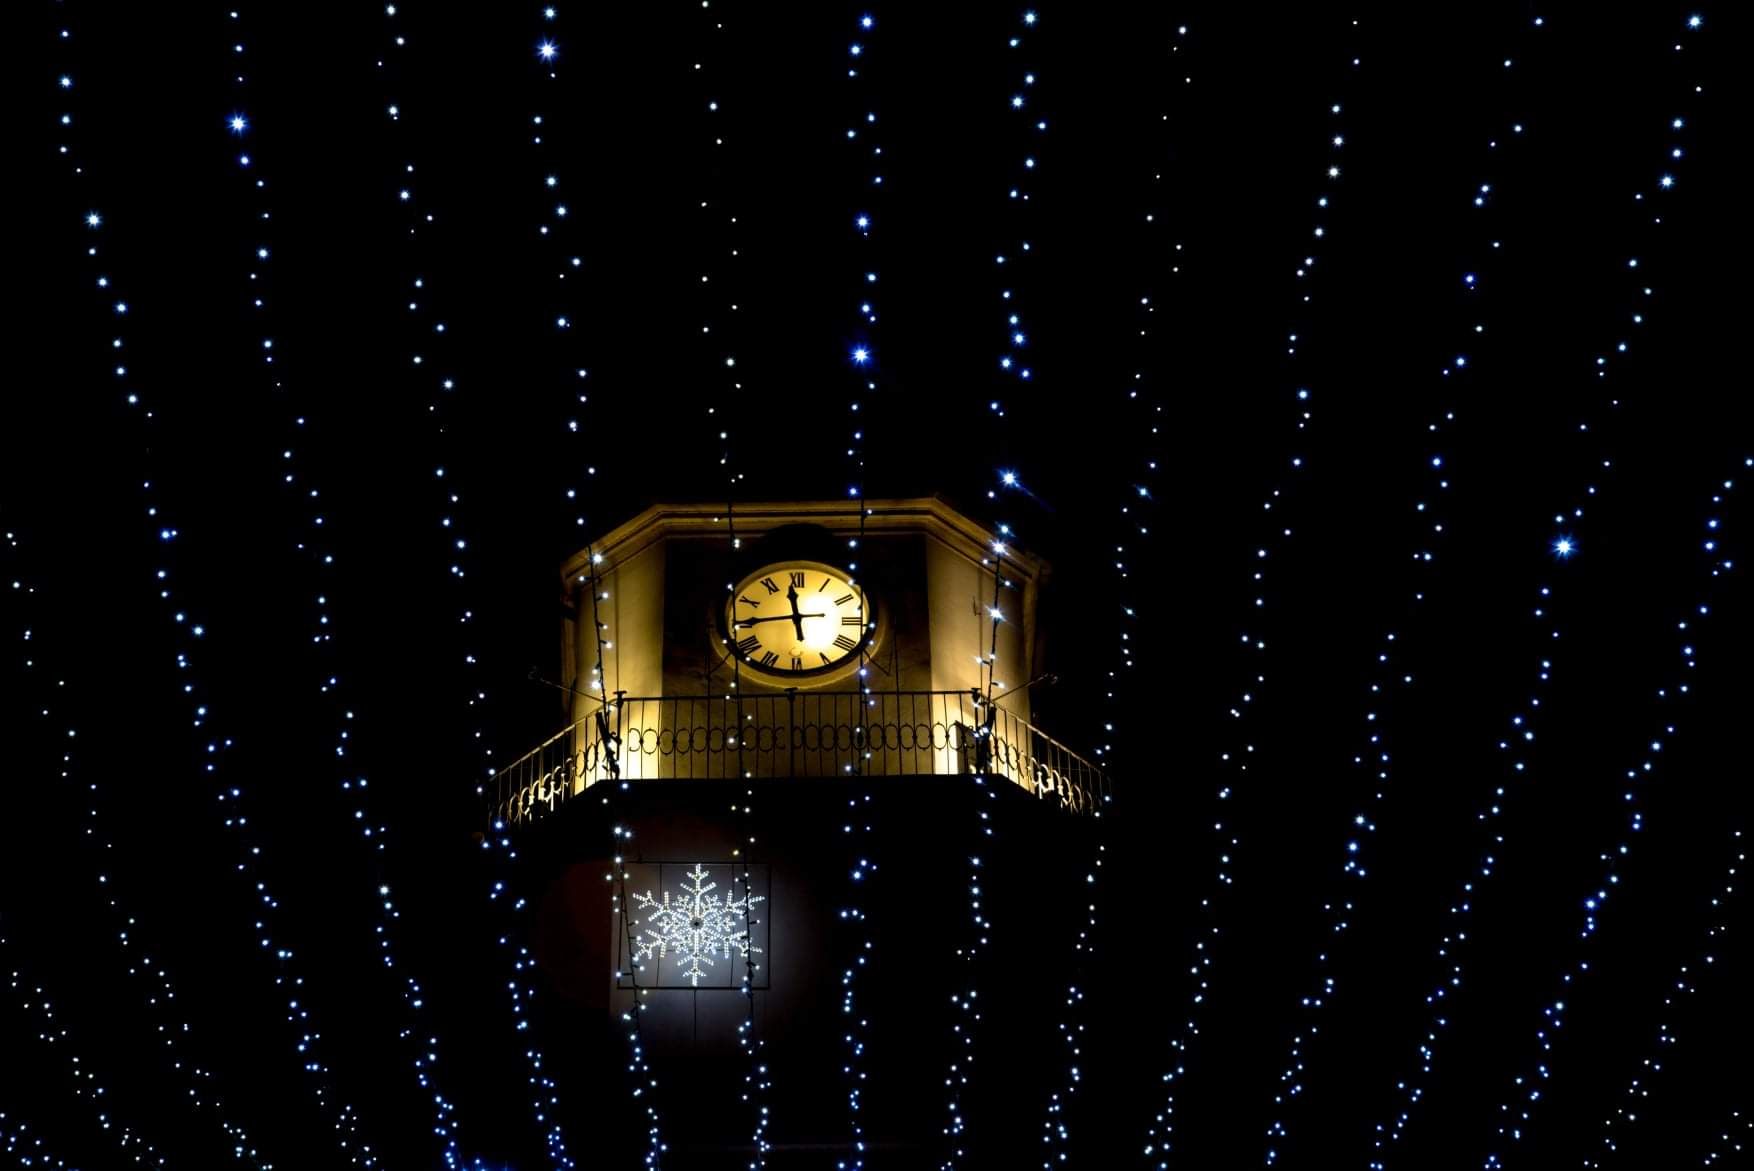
(796, 617)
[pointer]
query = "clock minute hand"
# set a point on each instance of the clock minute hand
(774, 618)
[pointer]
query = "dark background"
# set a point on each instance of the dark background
(1228, 165)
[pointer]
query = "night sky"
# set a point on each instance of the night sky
(1384, 424)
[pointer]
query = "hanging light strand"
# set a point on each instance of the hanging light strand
(720, 236)
(429, 360)
(189, 631)
(1636, 1096)
(1514, 1116)
(1735, 1137)
(298, 479)
(1291, 1082)
(1142, 406)
(1523, 720)
(755, 1083)
(615, 790)
(965, 1001)
(1011, 261)
(1234, 760)
(1014, 364)
(556, 229)
(137, 959)
(26, 1149)
(857, 827)
(34, 1002)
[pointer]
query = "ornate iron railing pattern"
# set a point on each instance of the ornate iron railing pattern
(795, 734)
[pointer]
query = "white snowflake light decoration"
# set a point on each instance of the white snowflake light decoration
(697, 926)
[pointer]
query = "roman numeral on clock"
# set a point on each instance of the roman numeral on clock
(748, 601)
(843, 599)
(797, 663)
(748, 646)
(769, 659)
(767, 584)
(797, 578)
(851, 620)
(844, 643)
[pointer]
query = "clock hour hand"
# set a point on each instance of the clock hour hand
(797, 618)
(774, 618)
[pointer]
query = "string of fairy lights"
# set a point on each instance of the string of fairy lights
(35, 1002)
(1234, 761)
(1530, 1086)
(1056, 1127)
(718, 303)
(1013, 356)
(430, 361)
(965, 998)
(755, 1073)
(27, 1149)
(725, 383)
(557, 230)
(1736, 1137)
(1452, 948)
(1523, 719)
(138, 960)
(311, 541)
(1515, 1116)
(1142, 405)
(189, 630)
(857, 828)
(639, 1067)
(1339, 910)
(1013, 362)
(1632, 1106)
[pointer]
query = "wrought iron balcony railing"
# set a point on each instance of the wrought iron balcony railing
(795, 734)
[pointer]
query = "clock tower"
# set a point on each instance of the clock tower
(765, 706)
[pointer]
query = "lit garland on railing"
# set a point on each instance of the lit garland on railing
(1522, 729)
(442, 390)
(1685, 983)
(199, 1092)
(300, 485)
(189, 631)
(33, 1001)
(1531, 1084)
(26, 1149)
(1234, 761)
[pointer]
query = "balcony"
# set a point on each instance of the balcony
(795, 734)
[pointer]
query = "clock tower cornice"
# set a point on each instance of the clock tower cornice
(931, 516)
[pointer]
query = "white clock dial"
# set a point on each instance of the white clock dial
(797, 617)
